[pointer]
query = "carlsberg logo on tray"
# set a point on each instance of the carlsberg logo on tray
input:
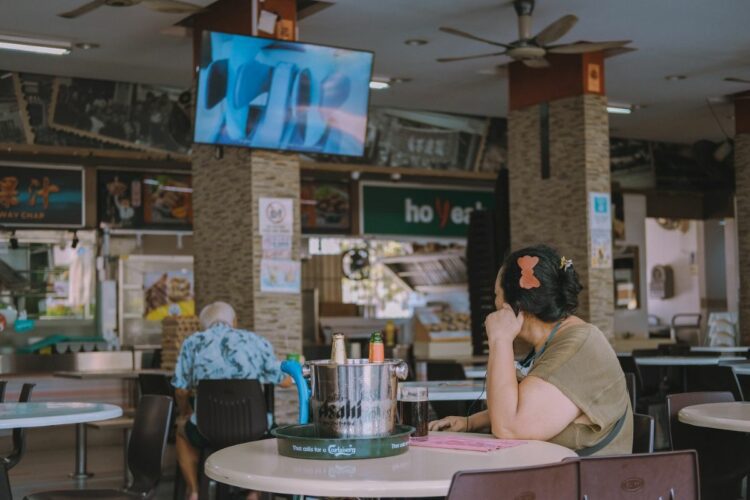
(419, 210)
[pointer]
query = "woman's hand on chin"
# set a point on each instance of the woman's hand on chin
(503, 324)
(451, 424)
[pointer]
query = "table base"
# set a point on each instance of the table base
(80, 467)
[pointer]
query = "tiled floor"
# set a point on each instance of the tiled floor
(48, 470)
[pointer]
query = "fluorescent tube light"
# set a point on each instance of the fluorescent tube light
(34, 45)
(619, 110)
(375, 85)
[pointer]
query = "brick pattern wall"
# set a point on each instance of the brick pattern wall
(228, 245)
(555, 210)
(742, 196)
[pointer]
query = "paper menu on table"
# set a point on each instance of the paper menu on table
(465, 443)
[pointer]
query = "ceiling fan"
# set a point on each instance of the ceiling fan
(531, 49)
(165, 6)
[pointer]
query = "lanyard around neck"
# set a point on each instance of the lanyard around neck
(531, 357)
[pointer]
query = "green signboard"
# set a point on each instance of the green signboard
(417, 210)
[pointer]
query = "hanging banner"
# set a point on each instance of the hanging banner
(600, 224)
(37, 196)
(416, 210)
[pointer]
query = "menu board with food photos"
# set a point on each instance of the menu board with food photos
(326, 207)
(138, 200)
(168, 294)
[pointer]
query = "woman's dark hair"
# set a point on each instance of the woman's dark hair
(556, 298)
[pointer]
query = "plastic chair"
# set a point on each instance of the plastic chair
(668, 476)
(687, 328)
(723, 454)
(545, 482)
(643, 433)
(720, 378)
(19, 435)
(155, 384)
(145, 453)
(229, 412)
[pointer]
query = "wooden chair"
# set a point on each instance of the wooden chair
(643, 433)
(546, 482)
(723, 454)
(670, 475)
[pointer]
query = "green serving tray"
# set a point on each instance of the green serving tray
(302, 441)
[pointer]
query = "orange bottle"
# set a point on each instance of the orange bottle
(377, 348)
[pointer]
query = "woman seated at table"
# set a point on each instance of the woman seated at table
(570, 389)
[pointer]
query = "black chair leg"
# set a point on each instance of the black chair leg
(5, 491)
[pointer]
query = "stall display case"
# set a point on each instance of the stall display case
(151, 288)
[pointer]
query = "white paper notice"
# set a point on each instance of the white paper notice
(276, 215)
(277, 246)
(280, 276)
(267, 21)
(600, 218)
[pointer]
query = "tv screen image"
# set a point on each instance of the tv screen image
(273, 94)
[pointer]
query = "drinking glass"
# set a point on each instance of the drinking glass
(413, 407)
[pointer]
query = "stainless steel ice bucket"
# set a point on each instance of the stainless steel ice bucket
(355, 399)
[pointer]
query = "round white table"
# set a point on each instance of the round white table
(733, 416)
(451, 390)
(420, 472)
(684, 360)
(24, 415)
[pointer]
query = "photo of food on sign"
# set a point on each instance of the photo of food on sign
(168, 294)
(325, 207)
(167, 200)
(41, 196)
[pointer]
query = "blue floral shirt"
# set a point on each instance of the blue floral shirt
(224, 352)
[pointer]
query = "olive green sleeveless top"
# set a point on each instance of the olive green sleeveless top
(580, 362)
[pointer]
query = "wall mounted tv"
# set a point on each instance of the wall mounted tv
(273, 94)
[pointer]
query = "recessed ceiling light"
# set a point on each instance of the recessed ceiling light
(672, 78)
(86, 45)
(379, 85)
(618, 109)
(400, 80)
(415, 42)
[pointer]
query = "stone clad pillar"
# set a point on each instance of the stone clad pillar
(227, 244)
(742, 207)
(558, 147)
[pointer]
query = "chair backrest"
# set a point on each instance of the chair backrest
(19, 435)
(643, 433)
(3, 386)
(155, 384)
(675, 349)
(147, 442)
(669, 476)
(631, 385)
(679, 433)
(545, 482)
(719, 378)
(231, 411)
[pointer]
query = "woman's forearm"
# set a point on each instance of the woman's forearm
(478, 422)
(502, 389)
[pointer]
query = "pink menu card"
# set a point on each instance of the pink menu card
(465, 443)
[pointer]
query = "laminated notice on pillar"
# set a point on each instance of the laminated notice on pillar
(277, 246)
(276, 215)
(600, 223)
(601, 249)
(280, 276)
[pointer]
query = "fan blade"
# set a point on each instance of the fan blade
(733, 79)
(618, 51)
(583, 47)
(83, 9)
(537, 62)
(556, 30)
(172, 6)
(463, 34)
(465, 58)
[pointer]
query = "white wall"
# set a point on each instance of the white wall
(635, 321)
(679, 250)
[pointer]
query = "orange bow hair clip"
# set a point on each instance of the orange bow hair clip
(528, 280)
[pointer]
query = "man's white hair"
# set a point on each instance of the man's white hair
(217, 312)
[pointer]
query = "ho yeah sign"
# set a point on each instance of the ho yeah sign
(413, 210)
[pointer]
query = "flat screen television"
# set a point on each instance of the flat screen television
(274, 94)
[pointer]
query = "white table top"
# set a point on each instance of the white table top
(743, 369)
(420, 472)
(733, 416)
(475, 371)
(451, 390)
(684, 360)
(720, 349)
(111, 374)
(22, 415)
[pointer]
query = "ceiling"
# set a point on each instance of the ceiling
(705, 41)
